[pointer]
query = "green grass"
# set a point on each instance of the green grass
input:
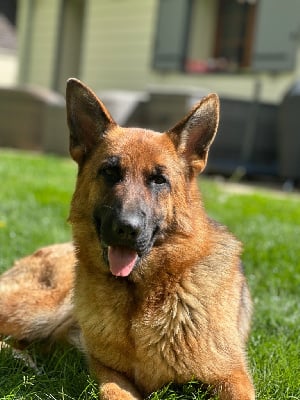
(34, 201)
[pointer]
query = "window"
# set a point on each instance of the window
(200, 36)
(234, 33)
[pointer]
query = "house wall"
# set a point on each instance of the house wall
(242, 86)
(38, 37)
(118, 43)
(117, 48)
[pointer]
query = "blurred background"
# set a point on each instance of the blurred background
(150, 61)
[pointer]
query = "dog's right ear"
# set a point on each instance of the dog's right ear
(88, 119)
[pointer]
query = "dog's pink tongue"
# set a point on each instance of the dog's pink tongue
(121, 260)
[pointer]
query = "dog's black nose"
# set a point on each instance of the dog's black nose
(127, 229)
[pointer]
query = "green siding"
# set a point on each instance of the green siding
(23, 54)
(39, 41)
(118, 43)
(44, 44)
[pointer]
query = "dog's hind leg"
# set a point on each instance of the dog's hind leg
(36, 296)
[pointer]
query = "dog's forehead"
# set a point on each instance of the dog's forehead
(138, 145)
(134, 136)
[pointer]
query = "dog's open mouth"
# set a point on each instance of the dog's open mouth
(123, 255)
(121, 260)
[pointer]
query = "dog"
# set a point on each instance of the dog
(151, 289)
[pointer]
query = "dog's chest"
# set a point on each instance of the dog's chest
(135, 335)
(103, 313)
(166, 335)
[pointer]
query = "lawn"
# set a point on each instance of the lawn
(34, 200)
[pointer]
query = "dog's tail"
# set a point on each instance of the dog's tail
(36, 297)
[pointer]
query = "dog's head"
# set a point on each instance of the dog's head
(135, 187)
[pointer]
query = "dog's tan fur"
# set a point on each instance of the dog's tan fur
(184, 311)
(35, 295)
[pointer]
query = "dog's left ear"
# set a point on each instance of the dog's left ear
(88, 119)
(194, 134)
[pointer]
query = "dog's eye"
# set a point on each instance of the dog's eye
(158, 179)
(111, 174)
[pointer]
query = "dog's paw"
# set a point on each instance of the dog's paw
(111, 391)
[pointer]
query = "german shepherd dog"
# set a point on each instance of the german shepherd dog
(154, 287)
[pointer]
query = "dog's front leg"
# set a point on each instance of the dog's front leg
(237, 386)
(113, 385)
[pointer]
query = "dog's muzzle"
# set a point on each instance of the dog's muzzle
(125, 238)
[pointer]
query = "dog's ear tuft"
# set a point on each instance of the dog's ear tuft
(88, 119)
(194, 134)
